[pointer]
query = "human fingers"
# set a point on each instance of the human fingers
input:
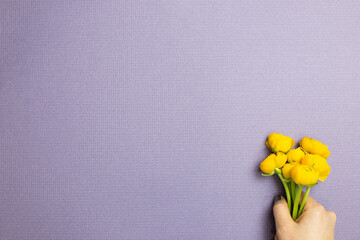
(282, 216)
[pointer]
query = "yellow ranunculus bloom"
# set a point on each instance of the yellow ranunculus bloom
(315, 147)
(295, 155)
(286, 170)
(277, 142)
(304, 174)
(319, 163)
(273, 161)
(280, 159)
(268, 165)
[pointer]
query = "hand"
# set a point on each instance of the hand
(315, 223)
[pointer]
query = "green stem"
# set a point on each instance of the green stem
(291, 197)
(288, 197)
(296, 203)
(304, 201)
(293, 188)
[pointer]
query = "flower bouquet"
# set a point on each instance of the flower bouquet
(296, 168)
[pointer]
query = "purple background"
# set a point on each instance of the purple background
(147, 120)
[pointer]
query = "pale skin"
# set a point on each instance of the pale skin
(315, 223)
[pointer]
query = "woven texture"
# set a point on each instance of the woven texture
(145, 120)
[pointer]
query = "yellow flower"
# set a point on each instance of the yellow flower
(268, 165)
(280, 159)
(277, 142)
(273, 161)
(286, 170)
(319, 163)
(304, 174)
(315, 147)
(295, 155)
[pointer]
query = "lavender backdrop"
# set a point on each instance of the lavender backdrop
(147, 119)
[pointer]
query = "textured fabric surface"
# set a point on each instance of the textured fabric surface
(148, 119)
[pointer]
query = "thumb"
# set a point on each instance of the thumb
(281, 212)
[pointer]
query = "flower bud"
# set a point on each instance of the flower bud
(319, 163)
(315, 147)
(277, 142)
(280, 159)
(304, 174)
(268, 165)
(273, 161)
(295, 155)
(286, 170)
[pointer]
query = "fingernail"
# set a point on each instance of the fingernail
(277, 198)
